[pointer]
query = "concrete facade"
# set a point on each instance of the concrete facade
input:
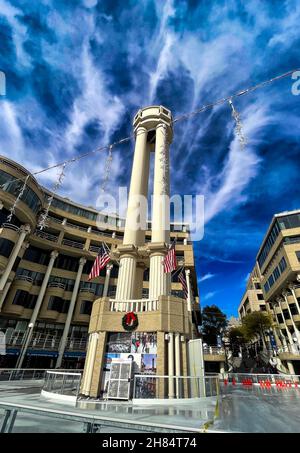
(277, 271)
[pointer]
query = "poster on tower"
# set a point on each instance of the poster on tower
(139, 347)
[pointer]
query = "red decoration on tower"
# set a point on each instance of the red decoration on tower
(130, 321)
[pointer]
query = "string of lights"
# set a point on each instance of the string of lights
(175, 120)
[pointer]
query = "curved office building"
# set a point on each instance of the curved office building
(45, 298)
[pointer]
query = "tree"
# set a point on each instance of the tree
(237, 339)
(213, 322)
(256, 323)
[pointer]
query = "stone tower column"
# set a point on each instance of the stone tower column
(160, 282)
(136, 218)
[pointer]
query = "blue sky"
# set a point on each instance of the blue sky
(78, 71)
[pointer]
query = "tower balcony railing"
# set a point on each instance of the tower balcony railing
(136, 305)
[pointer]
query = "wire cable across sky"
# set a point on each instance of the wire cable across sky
(175, 120)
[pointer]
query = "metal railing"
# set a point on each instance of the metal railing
(10, 226)
(87, 290)
(57, 285)
(47, 236)
(291, 349)
(213, 350)
(136, 305)
(54, 219)
(261, 378)
(62, 383)
(46, 341)
(90, 423)
(22, 374)
(174, 387)
(77, 227)
(69, 243)
(24, 278)
(76, 343)
(94, 248)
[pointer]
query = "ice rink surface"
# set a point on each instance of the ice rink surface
(241, 409)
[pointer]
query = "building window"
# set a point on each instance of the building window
(298, 255)
(67, 283)
(276, 273)
(260, 296)
(36, 255)
(66, 262)
(266, 287)
(271, 280)
(293, 309)
(3, 218)
(112, 291)
(114, 272)
(269, 242)
(80, 212)
(145, 293)
(257, 286)
(279, 319)
(78, 332)
(6, 247)
(262, 308)
(282, 264)
(37, 277)
(16, 264)
(88, 267)
(289, 221)
(58, 304)
(13, 186)
(86, 307)
(177, 293)
(24, 299)
(286, 314)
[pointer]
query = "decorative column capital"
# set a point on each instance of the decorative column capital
(285, 293)
(109, 267)
(141, 130)
(1, 205)
(25, 245)
(188, 271)
(25, 229)
(54, 254)
(291, 286)
(279, 300)
(82, 261)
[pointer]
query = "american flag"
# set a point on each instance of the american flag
(182, 279)
(100, 262)
(170, 262)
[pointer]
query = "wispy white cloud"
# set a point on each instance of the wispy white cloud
(11, 142)
(95, 103)
(207, 276)
(241, 166)
(209, 295)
